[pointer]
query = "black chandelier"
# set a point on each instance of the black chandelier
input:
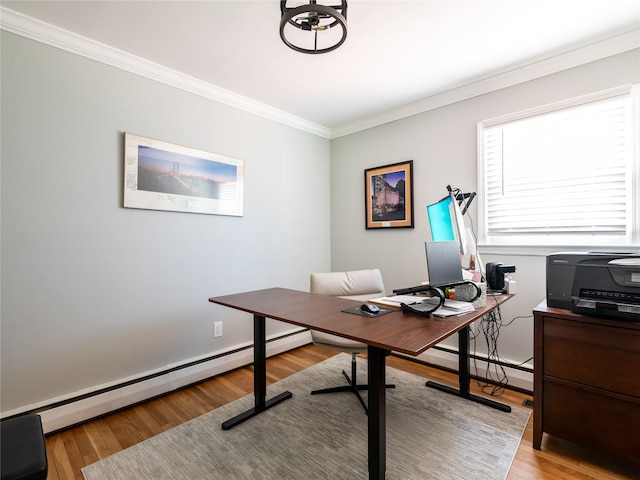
(326, 24)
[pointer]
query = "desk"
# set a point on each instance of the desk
(397, 331)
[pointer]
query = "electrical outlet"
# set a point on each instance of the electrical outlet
(217, 329)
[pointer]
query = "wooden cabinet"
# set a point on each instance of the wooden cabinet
(587, 381)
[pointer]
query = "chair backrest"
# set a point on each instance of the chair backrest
(356, 285)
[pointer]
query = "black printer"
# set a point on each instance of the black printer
(594, 283)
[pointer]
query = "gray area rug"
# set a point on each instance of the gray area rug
(430, 435)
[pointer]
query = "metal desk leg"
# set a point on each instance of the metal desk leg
(464, 376)
(377, 417)
(259, 377)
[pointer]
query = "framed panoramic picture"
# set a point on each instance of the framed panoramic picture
(388, 194)
(163, 176)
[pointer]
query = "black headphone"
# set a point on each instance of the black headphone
(426, 313)
(440, 294)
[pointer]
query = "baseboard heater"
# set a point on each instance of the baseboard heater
(485, 359)
(59, 414)
(520, 377)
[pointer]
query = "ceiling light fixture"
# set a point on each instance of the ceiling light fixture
(319, 20)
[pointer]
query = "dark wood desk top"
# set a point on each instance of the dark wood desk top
(397, 331)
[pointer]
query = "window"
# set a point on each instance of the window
(561, 175)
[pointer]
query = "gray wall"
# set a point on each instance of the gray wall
(442, 143)
(93, 292)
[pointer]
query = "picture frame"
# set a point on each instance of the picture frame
(163, 176)
(389, 196)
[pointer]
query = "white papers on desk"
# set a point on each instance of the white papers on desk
(396, 300)
(450, 307)
(454, 307)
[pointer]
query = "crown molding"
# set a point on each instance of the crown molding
(514, 75)
(31, 28)
(45, 33)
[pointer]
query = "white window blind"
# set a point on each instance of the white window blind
(561, 175)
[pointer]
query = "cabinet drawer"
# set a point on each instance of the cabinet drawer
(600, 356)
(600, 422)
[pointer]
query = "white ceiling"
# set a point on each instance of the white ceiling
(397, 52)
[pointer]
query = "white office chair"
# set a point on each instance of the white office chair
(356, 285)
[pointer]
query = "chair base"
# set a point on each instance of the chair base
(352, 386)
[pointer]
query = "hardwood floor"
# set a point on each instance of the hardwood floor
(70, 450)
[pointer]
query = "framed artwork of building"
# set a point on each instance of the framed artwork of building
(389, 196)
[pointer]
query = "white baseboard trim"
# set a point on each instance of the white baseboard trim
(517, 378)
(92, 406)
(63, 416)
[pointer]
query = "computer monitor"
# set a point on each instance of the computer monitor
(443, 263)
(446, 222)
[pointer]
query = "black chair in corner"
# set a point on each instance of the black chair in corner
(23, 452)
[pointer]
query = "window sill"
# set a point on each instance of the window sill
(544, 250)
